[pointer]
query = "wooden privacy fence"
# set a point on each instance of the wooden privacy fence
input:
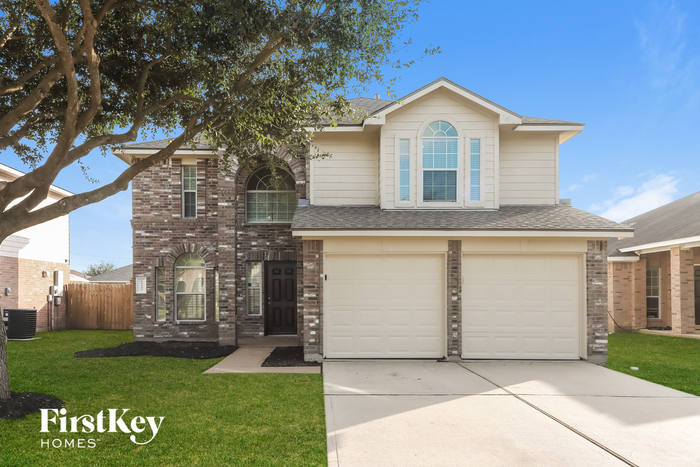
(99, 306)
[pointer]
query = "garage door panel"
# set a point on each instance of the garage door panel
(521, 306)
(397, 313)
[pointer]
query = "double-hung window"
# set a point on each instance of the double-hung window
(189, 191)
(440, 161)
(653, 287)
(189, 287)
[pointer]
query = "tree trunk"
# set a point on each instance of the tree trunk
(4, 373)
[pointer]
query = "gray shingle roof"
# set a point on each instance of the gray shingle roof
(370, 107)
(506, 218)
(546, 121)
(123, 274)
(162, 143)
(679, 219)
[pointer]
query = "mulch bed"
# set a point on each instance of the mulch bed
(22, 404)
(287, 356)
(196, 350)
(660, 328)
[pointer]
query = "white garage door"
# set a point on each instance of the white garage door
(521, 306)
(384, 306)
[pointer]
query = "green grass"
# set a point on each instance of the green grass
(210, 420)
(670, 361)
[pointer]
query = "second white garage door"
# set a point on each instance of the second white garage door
(521, 306)
(384, 306)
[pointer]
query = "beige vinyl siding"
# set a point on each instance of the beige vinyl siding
(409, 121)
(528, 166)
(349, 177)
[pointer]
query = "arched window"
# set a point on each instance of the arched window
(190, 287)
(440, 162)
(267, 202)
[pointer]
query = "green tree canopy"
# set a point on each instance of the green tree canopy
(250, 75)
(98, 268)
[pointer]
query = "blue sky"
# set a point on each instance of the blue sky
(629, 70)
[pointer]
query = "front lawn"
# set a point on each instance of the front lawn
(217, 419)
(670, 361)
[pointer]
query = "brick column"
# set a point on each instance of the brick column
(313, 300)
(454, 298)
(226, 261)
(597, 301)
(639, 313)
(620, 294)
(682, 292)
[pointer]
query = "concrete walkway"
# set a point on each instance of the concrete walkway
(249, 359)
(423, 413)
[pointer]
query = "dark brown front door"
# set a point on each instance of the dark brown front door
(697, 295)
(281, 291)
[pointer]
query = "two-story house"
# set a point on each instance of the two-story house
(434, 230)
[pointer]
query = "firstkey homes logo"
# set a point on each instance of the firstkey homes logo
(145, 429)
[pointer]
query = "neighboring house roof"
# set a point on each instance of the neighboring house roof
(671, 224)
(123, 274)
(79, 274)
(9, 174)
(507, 218)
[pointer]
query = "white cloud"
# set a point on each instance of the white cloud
(628, 202)
(672, 65)
(585, 180)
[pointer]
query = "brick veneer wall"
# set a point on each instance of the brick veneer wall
(29, 289)
(682, 291)
(597, 301)
(313, 300)
(161, 235)
(265, 242)
(219, 233)
(454, 298)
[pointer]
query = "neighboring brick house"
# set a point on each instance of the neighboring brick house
(29, 260)
(434, 230)
(654, 278)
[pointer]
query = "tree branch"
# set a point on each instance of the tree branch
(18, 85)
(14, 24)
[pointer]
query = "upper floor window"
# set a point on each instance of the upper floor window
(270, 202)
(189, 287)
(440, 162)
(189, 191)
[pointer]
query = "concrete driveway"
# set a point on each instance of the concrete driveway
(425, 413)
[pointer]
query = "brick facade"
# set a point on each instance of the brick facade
(313, 300)
(29, 281)
(454, 298)
(597, 301)
(219, 234)
(682, 291)
(627, 284)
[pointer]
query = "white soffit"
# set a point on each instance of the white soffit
(685, 243)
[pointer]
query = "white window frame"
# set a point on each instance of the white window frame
(182, 182)
(247, 220)
(160, 271)
(217, 294)
(459, 171)
(203, 293)
(467, 170)
(658, 288)
(248, 288)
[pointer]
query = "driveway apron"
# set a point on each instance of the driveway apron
(499, 413)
